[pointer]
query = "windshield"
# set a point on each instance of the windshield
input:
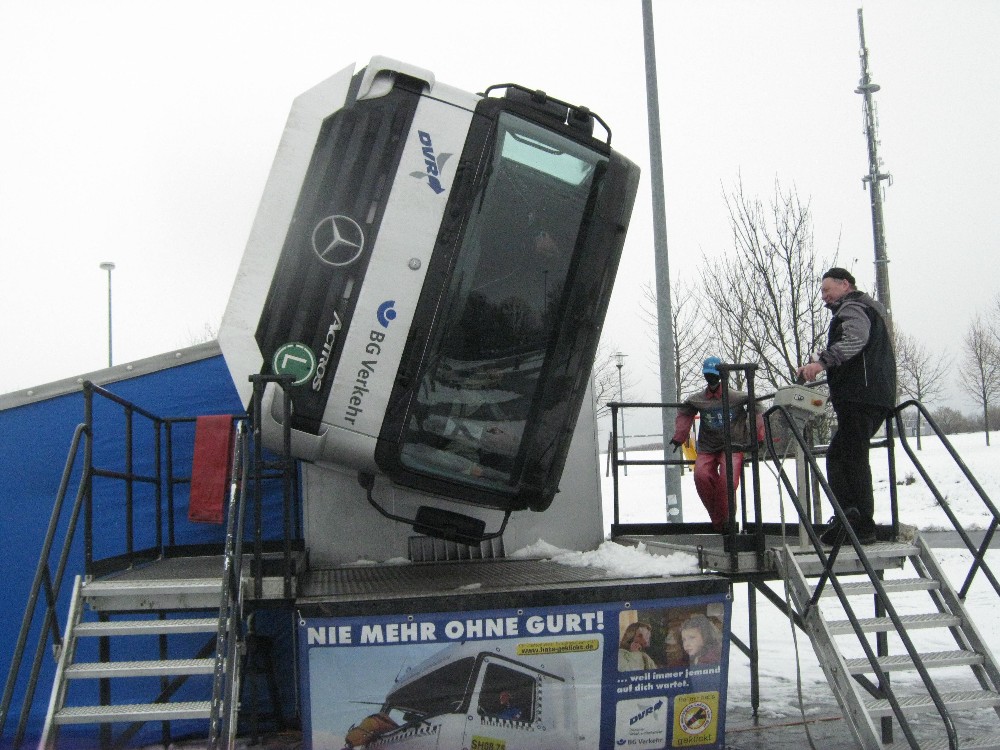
(439, 692)
(498, 317)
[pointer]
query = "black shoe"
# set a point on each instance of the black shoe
(865, 533)
(832, 533)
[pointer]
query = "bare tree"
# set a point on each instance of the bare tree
(208, 332)
(920, 374)
(980, 375)
(765, 293)
(690, 332)
(951, 421)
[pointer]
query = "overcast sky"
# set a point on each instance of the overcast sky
(142, 132)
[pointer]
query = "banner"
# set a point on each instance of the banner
(642, 674)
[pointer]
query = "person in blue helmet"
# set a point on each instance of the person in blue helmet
(710, 477)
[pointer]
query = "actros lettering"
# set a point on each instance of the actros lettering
(324, 360)
(431, 162)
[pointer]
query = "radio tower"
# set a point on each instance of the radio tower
(874, 177)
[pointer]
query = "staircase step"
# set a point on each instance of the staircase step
(896, 662)
(134, 712)
(132, 595)
(878, 549)
(977, 742)
(954, 702)
(881, 555)
(884, 624)
(153, 668)
(162, 586)
(148, 627)
(857, 588)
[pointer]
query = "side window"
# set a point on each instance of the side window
(507, 695)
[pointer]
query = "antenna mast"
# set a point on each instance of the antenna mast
(874, 177)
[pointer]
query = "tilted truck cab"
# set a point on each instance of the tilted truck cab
(431, 268)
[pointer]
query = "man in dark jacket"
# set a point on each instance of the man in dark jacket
(861, 371)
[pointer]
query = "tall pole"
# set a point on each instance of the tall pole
(874, 178)
(668, 381)
(109, 267)
(619, 361)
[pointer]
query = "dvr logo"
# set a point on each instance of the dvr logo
(433, 164)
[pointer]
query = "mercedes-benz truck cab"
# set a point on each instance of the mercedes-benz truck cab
(432, 269)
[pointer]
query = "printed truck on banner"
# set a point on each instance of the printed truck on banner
(493, 696)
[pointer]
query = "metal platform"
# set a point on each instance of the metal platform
(713, 557)
(481, 584)
(197, 578)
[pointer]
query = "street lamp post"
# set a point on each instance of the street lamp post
(109, 267)
(619, 361)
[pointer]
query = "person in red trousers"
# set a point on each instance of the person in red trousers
(710, 477)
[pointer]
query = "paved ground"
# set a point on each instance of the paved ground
(829, 732)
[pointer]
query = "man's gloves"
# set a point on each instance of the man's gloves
(677, 444)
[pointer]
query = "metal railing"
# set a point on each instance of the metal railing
(978, 551)
(49, 584)
(829, 576)
(229, 633)
(161, 477)
(249, 469)
(749, 521)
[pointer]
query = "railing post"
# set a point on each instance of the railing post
(170, 483)
(893, 496)
(258, 462)
(158, 490)
(614, 458)
(287, 468)
(129, 509)
(88, 482)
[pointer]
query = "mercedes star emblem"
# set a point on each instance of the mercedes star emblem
(338, 240)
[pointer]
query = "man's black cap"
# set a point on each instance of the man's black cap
(839, 273)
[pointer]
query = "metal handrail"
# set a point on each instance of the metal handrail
(749, 370)
(51, 585)
(978, 553)
(829, 575)
(229, 638)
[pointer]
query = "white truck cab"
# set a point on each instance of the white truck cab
(432, 268)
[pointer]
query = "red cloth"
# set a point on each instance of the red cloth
(213, 437)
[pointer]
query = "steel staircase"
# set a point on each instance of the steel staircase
(892, 635)
(166, 621)
(85, 642)
(964, 677)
